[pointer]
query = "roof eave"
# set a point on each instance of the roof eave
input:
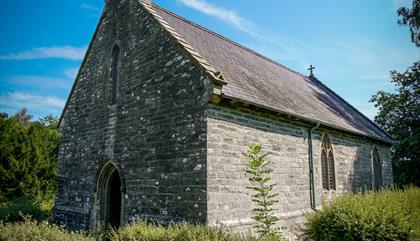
(308, 119)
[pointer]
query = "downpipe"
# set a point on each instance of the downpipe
(311, 167)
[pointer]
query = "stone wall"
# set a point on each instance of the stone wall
(178, 157)
(155, 134)
(228, 133)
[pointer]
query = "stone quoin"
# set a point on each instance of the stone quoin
(162, 109)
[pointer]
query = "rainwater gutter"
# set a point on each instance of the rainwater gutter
(311, 167)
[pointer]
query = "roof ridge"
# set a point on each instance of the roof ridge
(227, 40)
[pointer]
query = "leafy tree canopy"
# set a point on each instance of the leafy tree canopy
(28, 156)
(411, 18)
(399, 112)
(399, 115)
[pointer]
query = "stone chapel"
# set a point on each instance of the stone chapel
(162, 109)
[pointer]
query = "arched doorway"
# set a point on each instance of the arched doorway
(113, 217)
(109, 188)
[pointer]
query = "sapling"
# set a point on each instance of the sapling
(258, 173)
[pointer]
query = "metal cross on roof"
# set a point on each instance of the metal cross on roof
(311, 68)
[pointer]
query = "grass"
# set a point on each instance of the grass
(38, 231)
(28, 230)
(153, 232)
(386, 215)
(15, 210)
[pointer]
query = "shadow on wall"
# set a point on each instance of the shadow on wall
(360, 178)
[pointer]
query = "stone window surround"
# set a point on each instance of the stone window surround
(114, 78)
(101, 195)
(331, 149)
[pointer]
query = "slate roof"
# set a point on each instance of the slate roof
(256, 79)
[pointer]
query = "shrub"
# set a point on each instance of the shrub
(154, 232)
(38, 231)
(15, 210)
(388, 215)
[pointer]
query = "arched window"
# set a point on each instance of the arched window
(377, 169)
(331, 170)
(327, 165)
(114, 74)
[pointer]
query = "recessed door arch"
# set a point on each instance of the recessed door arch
(110, 192)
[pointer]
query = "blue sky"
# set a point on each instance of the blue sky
(353, 44)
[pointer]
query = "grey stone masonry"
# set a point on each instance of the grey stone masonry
(155, 134)
(176, 141)
(229, 131)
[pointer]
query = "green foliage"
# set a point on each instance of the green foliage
(411, 18)
(42, 231)
(258, 173)
(153, 232)
(38, 231)
(28, 157)
(16, 210)
(399, 115)
(399, 112)
(387, 215)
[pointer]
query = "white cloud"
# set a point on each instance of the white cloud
(57, 52)
(364, 63)
(36, 104)
(45, 82)
(90, 7)
(274, 46)
(279, 48)
(71, 73)
(40, 82)
(32, 100)
(226, 15)
(362, 55)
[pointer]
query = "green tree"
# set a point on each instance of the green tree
(411, 18)
(399, 112)
(258, 173)
(28, 157)
(399, 115)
